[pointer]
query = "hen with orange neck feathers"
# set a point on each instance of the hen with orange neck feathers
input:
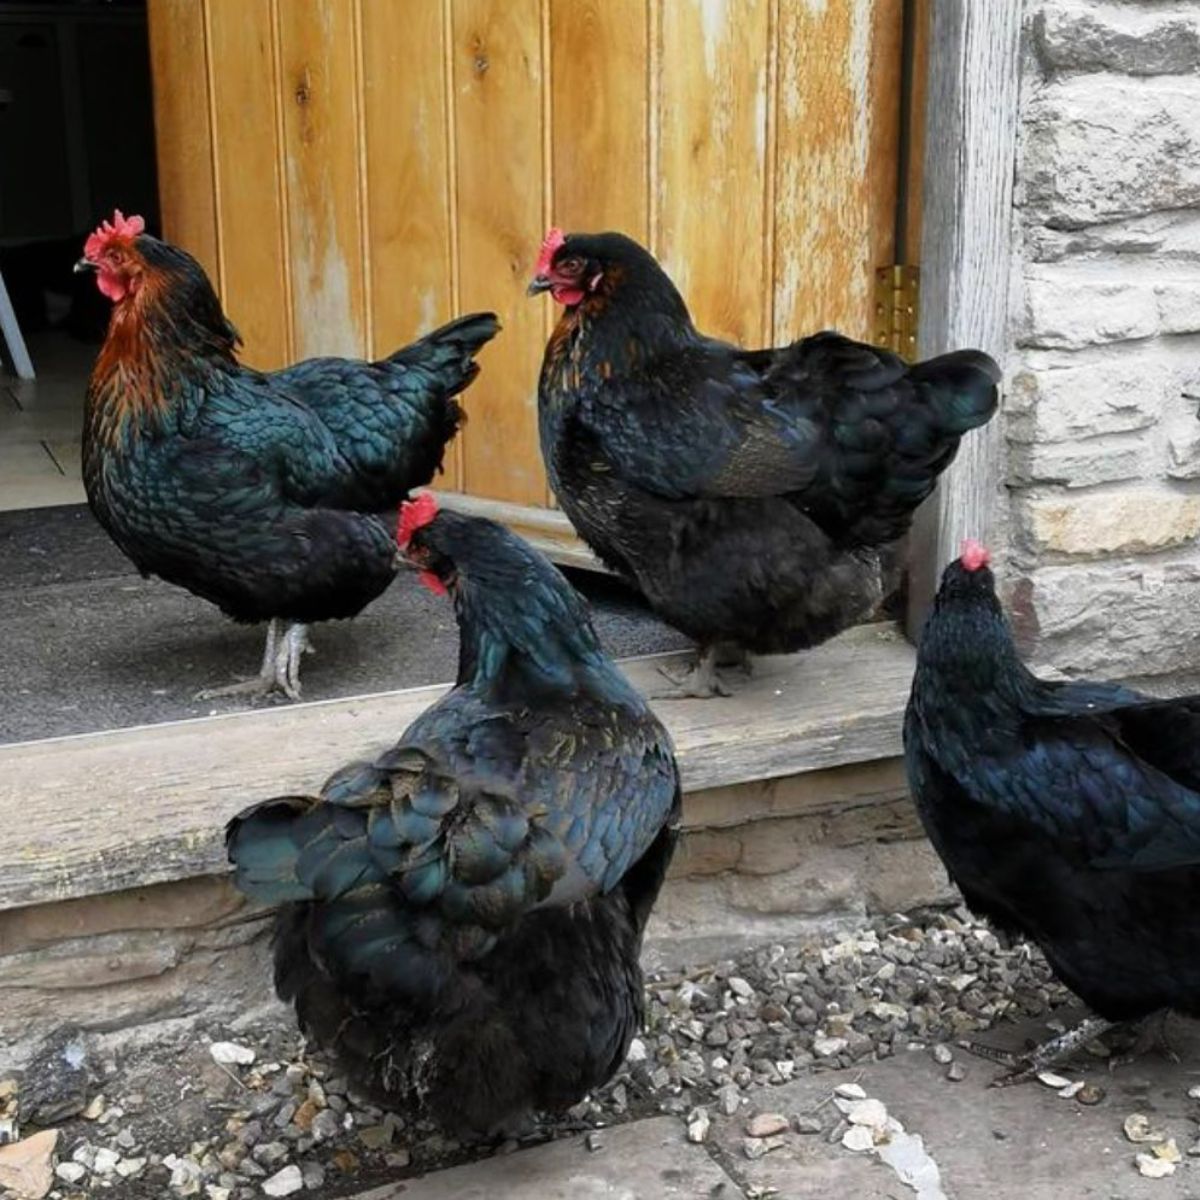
(271, 494)
(747, 493)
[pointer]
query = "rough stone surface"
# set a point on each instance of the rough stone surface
(27, 1167)
(1067, 309)
(1128, 522)
(1101, 408)
(986, 1143)
(642, 1160)
(1111, 621)
(1080, 464)
(1128, 38)
(752, 878)
(1099, 148)
(1183, 444)
(1049, 403)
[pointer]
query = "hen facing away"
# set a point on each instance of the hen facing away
(462, 917)
(1068, 813)
(270, 494)
(747, 493)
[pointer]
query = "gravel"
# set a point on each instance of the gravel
(253, 1112)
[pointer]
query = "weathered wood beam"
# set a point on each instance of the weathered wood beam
(124, 808)
(966, 256)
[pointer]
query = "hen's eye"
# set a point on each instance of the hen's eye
(571, 266)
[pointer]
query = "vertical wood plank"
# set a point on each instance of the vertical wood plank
(970, 148)
(321, 158)
(712, 147)
(246, 152)
(497, 65)
(599, 59)
(838, 124)
(404, 96)
(915, 167)
(183, 139)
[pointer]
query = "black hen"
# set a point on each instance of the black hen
(746, 492)
(464, 914)
(1068, 813)
(270, 494)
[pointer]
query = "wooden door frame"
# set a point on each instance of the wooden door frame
(971, 111)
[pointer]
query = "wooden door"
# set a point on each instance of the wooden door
(354, 172)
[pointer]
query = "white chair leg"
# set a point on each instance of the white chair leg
(12, 335)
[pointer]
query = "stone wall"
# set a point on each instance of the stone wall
(759, 862)
(1104, 385)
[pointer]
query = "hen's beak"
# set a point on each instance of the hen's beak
(540, 283)
(84, 264)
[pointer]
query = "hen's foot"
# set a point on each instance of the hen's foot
(1149, 1034)
(1025, 1066)
(700, 681)
(280, 667)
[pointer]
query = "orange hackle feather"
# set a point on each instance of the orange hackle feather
(127, 380)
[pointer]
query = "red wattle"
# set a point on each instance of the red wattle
(110, 285)
(432, 582)
(565, 294)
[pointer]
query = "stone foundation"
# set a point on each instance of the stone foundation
(761, 862)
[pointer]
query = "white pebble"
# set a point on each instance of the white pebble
(229, 1054)
(1153, 1167)
(871, 1113)
(849, 1091)
(70, 1172)
(766, 1125)
(637, 1051)
(858, 1138)
(827, 1047)
(740, 987)
(1050, 1080)
(285, 1182)
(106, 1161)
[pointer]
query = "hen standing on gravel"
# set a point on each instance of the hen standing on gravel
(271, 494)
(747, 493)
(1068, 813)
(465, 913)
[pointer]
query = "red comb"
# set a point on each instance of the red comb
(974, 555)
(414, 515)
(550, 245)
(120, 226)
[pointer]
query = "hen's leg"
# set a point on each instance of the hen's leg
(1025, 1066)
(699, 681)
(292, 646)
(280, 667)
(1150, 1033)
(730, 654)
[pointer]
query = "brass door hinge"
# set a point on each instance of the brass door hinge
(897, 307)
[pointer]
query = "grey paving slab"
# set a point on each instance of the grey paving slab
(1016, 1143)
(645, 1160)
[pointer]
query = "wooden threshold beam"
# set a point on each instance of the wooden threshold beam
(100, 812)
